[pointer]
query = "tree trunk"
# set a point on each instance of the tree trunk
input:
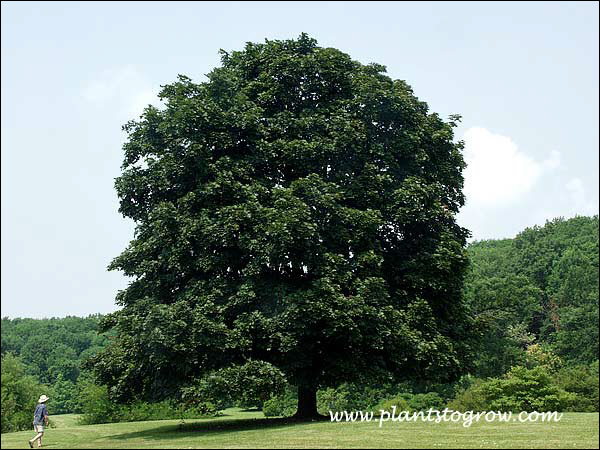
(307, 403)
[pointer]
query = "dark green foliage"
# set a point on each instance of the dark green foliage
(522, 389)
(582, 381)
(471, 398)
(412, 402)
(65, 397)
(526, 390)
(283, 405)
(296, 211)
(423, 402)
(540, 287)
(357, 397)
(353, 397)
(96, 406)
(53, 351)
(508, 307)
(297, 208)
(20, 393)
(248, 386)
(561, 258)
(399, 401)
(50, 348)
(99, 408)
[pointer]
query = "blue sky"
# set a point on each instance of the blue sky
(524, 76)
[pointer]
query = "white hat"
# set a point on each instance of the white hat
(43, 399)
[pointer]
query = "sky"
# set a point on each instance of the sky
(524, 77)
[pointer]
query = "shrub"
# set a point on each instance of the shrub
(99, 408)
(400, 401)
(412, 402)
(471, 398)
(354, 397)
(423, 402)
(521, 389)
(331, 400)
(283, 405)
(527, 390)
(140, 411)
(583, 382)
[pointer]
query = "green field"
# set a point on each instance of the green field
(239, 429)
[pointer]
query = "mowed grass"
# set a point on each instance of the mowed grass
(240, 429)
(65, 420)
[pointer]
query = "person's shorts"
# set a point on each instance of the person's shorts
(38, 428)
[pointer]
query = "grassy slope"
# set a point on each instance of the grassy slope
(64, 420)
(239, 429)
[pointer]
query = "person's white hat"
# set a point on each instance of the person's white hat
(43, 399)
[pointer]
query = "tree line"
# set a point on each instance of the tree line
(538, 289)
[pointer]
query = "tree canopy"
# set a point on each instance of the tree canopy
(540, 287)
(295, 209)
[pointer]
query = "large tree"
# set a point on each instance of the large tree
(296, 208)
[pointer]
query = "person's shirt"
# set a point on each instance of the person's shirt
(41, 411)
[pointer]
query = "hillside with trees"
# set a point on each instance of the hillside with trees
(540, 288)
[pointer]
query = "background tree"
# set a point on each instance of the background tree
(508, 306)
(541, 286)
(20, 393)
(297, 208)
(51, 351)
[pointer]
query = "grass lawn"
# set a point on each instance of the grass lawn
(64, 420)
(240, 429)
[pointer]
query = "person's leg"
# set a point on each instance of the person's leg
(32, 440)
(38, 437)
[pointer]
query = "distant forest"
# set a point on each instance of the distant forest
(535, 298)
(539, 288)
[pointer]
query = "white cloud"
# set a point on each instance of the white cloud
(124, 89)
(576, 189)
(578, 199)
(553, 162)
(506, 189)
(498, 173)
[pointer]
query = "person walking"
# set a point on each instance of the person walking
(40, 419)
